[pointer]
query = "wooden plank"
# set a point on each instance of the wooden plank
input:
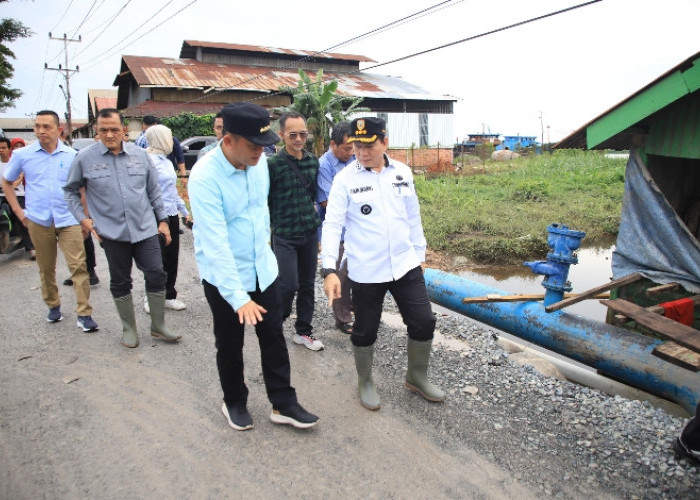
(668, 287)
(667, 328)
(593, 291)
(678, 355)
(492, 297)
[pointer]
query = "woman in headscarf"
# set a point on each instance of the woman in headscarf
(160, 144)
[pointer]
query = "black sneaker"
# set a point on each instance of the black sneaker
(237, 416)
(693, 456)
(294, 415)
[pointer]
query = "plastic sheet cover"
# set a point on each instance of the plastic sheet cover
(653, 240)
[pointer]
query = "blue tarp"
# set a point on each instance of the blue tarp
(653, 240)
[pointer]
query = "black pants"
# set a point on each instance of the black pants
(171, 255)
(411, 297)
(297, 260)
(90, 253)
(228, 332)
(145, 253)
(691, 432)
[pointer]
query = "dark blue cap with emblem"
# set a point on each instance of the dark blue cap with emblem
(367, 129)
(249, 121)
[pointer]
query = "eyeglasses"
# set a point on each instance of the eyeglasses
(293, 135)
(105, 131)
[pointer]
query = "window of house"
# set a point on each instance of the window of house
(423, 129)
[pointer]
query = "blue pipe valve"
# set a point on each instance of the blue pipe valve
(564, 242)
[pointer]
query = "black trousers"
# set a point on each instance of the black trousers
(171, 255)
(297, 259)
(145, 253)
(90, 253)
(274, 356)
(411, 297)
(691, 432)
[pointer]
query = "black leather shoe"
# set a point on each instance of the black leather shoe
(237, 416)
(294, 415)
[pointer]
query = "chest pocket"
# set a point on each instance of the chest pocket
(135, 167)
(99, 171)
(401, 189)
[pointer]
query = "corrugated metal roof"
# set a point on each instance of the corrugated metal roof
(17, 123)
(189, 73)
(188, 50)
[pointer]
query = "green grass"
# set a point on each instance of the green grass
(501, 214)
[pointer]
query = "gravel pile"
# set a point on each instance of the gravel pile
(567, 440)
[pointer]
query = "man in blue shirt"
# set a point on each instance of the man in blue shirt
(45, 165)
(228, 193)
(338, 156)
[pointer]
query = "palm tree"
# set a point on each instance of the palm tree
(317, 101)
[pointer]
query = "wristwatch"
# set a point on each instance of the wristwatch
(326, 271)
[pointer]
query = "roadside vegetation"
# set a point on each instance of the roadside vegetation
(498, 212)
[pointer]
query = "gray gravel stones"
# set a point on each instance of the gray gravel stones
(568, 440)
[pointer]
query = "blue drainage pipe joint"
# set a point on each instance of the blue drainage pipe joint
(564, 242)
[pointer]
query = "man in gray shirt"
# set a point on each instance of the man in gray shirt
(127, 217)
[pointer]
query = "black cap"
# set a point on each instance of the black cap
(367, 129)
(249, 121)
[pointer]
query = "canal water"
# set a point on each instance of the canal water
(593, 269)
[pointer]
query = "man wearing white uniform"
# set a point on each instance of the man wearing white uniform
(375, 200)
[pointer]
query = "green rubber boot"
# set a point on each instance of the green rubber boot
(417, 373)
(156, 303)
(125, 308)
(363, 362)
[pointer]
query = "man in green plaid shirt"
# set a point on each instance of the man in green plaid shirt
(294, 222)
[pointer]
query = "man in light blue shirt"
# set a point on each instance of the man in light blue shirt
(339, 155)
(228, 192)
(45, 165)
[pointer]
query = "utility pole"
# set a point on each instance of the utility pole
(66, 75)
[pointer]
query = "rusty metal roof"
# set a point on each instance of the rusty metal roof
(189, 51)
(191, 74)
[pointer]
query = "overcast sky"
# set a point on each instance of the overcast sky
(566, 69)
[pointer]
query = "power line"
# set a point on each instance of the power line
(375, 31)
(106, 25)
(62, 16)
(510, 26)
(134, 31)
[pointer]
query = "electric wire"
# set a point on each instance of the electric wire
(63, 15)
(136, 39)
(375, 31)
(403, 58)
(106, 25)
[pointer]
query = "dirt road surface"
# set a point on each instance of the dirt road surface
(83, 417)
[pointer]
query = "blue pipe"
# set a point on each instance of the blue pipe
(616, 352)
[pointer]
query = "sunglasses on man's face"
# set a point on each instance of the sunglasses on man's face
(293, 135)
